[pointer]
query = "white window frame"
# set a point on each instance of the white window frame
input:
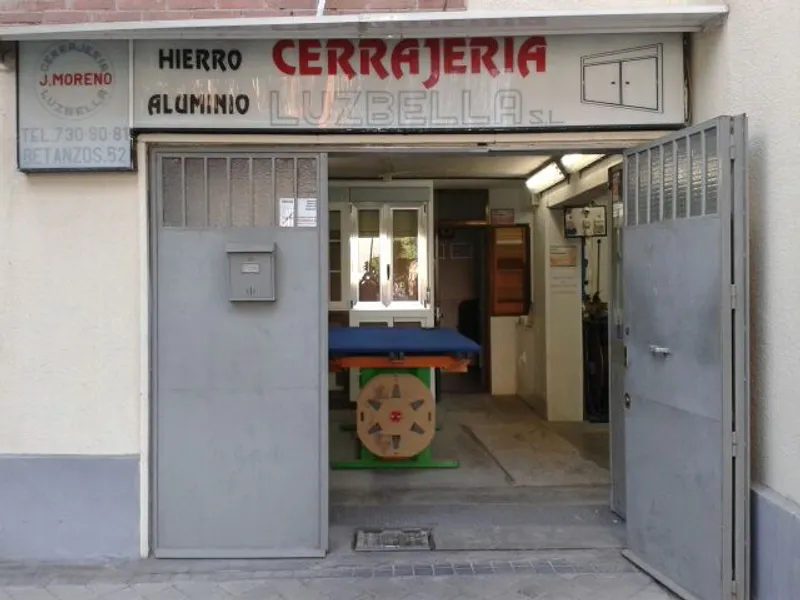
(339, 202)
(416, 309)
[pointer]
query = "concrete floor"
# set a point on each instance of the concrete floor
(523, 483)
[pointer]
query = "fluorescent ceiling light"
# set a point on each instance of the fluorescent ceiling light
(544, 179)
(576, 162)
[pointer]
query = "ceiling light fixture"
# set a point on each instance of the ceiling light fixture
(576, 162)
(545, 178)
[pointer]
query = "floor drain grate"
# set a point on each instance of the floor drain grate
(388, 540)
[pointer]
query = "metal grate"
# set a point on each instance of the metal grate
(200, 191)
(392, 540)
(676, 179)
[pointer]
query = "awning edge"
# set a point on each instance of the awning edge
(408, 24)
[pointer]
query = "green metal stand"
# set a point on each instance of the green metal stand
(369, 461)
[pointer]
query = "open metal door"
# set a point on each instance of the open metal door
(686, 325)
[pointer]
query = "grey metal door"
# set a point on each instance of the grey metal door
(686, 331)
(240, 388)
(616, 347)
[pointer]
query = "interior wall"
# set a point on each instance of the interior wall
(557, 320)
(533, 350)
(563, 310)
(598, 273)
(510, 339)
(457, 278)
(735, 69)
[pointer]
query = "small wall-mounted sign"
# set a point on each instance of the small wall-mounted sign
(501, 216)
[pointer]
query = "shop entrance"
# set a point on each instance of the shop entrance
(678, 400)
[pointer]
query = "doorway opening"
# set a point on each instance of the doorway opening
(460, 242)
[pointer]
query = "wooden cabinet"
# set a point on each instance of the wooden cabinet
(509, 270)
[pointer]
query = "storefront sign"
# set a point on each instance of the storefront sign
(410, 84)
(74, 106)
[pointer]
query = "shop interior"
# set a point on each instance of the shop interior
(513, 251)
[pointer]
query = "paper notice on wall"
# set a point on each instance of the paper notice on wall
(306, 212)
(564, 282)
(563, 256)
(286, 212)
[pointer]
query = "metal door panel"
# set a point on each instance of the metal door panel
(686, 338)
(673, 296)
(240, 398)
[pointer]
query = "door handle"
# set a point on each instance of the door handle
(659, 350)
(627, 400)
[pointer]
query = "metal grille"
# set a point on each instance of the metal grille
(674, 180)
(202, 191)
(388, 540)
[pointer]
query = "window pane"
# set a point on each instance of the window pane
(172, 174)
(669, 179)
(696, 182)
(369, 256)
(683, 180)
(405, 243)
(335, 287)
(712, 172)
(335, 255)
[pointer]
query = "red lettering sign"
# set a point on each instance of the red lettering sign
(78, 79)
(449, 56)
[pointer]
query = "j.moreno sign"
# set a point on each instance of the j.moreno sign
(73, 106)
(79, 101)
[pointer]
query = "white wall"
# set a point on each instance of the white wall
(557, 324)
(69, 308)
(563, 323)
(749, 66)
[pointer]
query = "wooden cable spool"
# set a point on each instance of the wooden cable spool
(396, 416)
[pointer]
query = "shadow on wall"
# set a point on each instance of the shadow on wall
(757, 160)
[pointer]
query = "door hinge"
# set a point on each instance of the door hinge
(734, 589)
(734, 444)
(733, 297)
(732, 149)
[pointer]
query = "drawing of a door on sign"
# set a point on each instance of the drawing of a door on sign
(631, 78)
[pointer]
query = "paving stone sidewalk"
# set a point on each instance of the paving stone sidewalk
(576, 576)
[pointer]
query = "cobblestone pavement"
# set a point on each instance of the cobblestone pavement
(577, 576)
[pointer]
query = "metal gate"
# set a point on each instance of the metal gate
(240, 354)
(686, 383)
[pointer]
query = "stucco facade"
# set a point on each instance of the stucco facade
(73, 274)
